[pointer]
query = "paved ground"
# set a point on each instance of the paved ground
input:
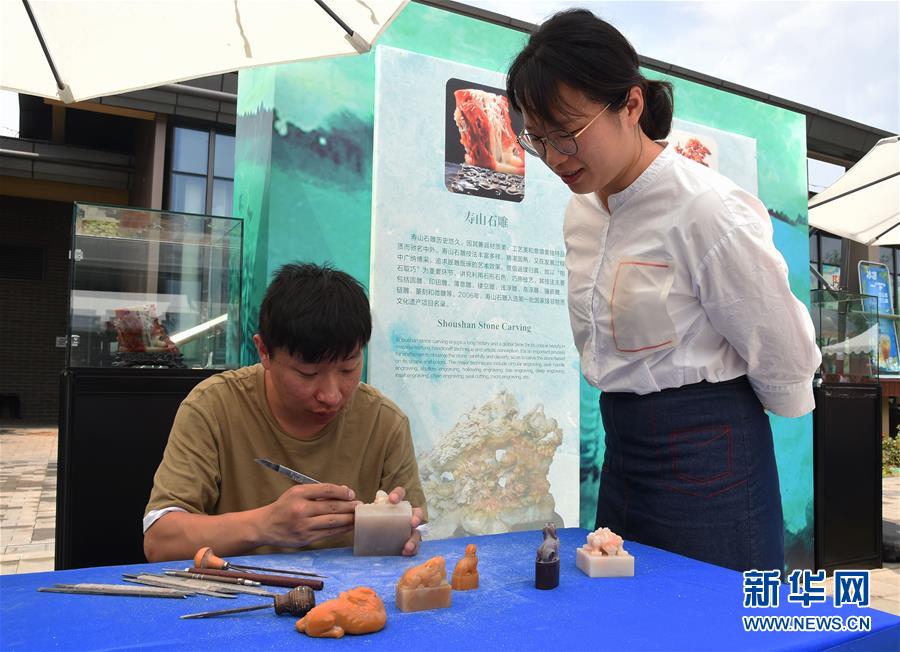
(28, 511)
(885, 582)
(890, 496)
(27, 499)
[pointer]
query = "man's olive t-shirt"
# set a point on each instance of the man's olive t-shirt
(225, 424)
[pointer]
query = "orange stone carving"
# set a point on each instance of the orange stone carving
(424, 587)
(465, 575)
(357, 611)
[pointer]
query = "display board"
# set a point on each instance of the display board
(471, 333)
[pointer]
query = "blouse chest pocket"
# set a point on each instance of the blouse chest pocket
(640, 321)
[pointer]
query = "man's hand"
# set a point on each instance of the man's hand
(307, 513)
(412, 545)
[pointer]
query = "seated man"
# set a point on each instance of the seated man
(302, 406)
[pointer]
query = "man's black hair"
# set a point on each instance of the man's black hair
(316, 311)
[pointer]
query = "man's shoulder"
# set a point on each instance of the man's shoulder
(228, 382)
(370, 399)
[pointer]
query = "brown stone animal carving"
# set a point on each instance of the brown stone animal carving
(549, 549)
(357, 611)
(465, 575)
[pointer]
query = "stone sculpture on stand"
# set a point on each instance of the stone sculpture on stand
(424, 587)
(604, 555)
(546, 566)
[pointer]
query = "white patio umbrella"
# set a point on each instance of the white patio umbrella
(864, 204)
(74, 50)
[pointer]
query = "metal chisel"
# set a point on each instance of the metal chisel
(114, 589)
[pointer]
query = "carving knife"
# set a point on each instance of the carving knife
(296, 476)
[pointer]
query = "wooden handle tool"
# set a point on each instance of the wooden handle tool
(206, 558)
(268, 580)
(296, 602)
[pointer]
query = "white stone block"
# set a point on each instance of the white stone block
(381, 529)
(604, 565)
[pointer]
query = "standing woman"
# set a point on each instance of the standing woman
(679, 302)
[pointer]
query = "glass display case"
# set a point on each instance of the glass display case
(847, 431)
(153, 289)
(847, 332)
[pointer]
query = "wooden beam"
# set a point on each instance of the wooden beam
(60, 191)
(890, 387)
(105, 108)
(58, 123)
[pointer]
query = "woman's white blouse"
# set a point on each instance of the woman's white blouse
(681, 282)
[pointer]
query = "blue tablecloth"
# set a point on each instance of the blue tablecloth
(672, 603)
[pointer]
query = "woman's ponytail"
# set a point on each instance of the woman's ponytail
(659, 103)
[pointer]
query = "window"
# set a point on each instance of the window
(825, 255)
(814, 283)
(831, 249)
(830, 261)
(886, 256)
(890, 256)
(201, 177)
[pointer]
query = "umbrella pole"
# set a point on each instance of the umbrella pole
(362, 46)
(37, 31)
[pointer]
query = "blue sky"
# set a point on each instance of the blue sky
(838, 57)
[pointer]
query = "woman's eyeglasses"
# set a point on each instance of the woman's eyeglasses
(563, 143)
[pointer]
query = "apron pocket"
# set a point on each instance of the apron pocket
(702, 462)
(640, 321)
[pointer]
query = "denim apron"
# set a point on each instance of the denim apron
(692, 470)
